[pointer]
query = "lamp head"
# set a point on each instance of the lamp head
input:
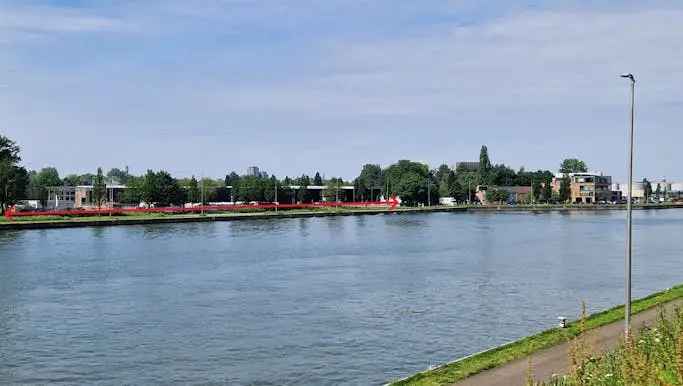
(629, 76)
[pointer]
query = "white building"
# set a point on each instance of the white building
(638, 190)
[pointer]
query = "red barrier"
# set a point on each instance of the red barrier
(196, 209)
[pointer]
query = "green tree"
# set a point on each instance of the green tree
(193, 193)
(250, 189)
(484, 166)
(149, 189)
(13, 184)
(573, 165)
(269, 186)
(169, 191)
(442, 172)
(547, 194)
(332, 190)
(99, 189)
(455, 189)
(317, 180)
(133, 193)
(71, 180)
(121, 176)
(370, 182)
(536, 187)
(14, 179)
(497, 195)
(502, 175)
(408, 180)
(565, 189)
(303, 194)
(40, 181)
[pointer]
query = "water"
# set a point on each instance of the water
(320, 301)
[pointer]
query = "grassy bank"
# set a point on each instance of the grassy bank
(463, 368)
(653, 357)
(40, 222)
(149, 218)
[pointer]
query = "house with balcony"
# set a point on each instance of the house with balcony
(587, 188)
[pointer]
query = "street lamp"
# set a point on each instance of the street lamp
(629, 210)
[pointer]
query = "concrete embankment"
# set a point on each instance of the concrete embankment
(137, 220)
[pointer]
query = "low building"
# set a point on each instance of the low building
(638, 190)
(112, 196)
(60, 197)
(586, 188)
(516, 194)
(69, 197)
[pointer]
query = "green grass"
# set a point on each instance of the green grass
(653, 357)
(458, 370)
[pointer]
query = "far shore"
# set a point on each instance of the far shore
(104, 220)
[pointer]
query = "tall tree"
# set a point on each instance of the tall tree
(121, 176)
(13, 178)
(149, 189)
(99, 189)
(9, 150)
(573, 165)
(370, 182)
(565, 188)
(547, 195)
(193, 193)
(408, 180)
(169, 191)
(317, 180)
(303, 194)
(13, 184)
(484, 166)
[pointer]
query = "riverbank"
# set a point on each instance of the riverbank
(72, 222)
(488, 365)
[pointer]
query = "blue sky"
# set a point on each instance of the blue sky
(205, 87)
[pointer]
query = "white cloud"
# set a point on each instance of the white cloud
(535, 59)
(431, 91)
(38, 20)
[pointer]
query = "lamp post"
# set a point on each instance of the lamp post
(629, 210)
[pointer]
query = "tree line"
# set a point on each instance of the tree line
(413, 181)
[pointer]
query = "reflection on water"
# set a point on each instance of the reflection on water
(337, 300)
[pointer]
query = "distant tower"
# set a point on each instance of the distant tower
(253, 171)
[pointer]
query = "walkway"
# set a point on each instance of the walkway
(555, 360)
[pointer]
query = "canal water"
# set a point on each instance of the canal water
(317, 301)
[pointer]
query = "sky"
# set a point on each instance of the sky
(205, 87)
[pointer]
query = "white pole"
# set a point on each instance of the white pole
(629, 215)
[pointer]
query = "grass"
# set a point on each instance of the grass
(652, 357)
(461, 369)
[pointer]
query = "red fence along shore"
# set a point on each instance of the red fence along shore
(10, 213)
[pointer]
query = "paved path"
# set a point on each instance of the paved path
(555, 360)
